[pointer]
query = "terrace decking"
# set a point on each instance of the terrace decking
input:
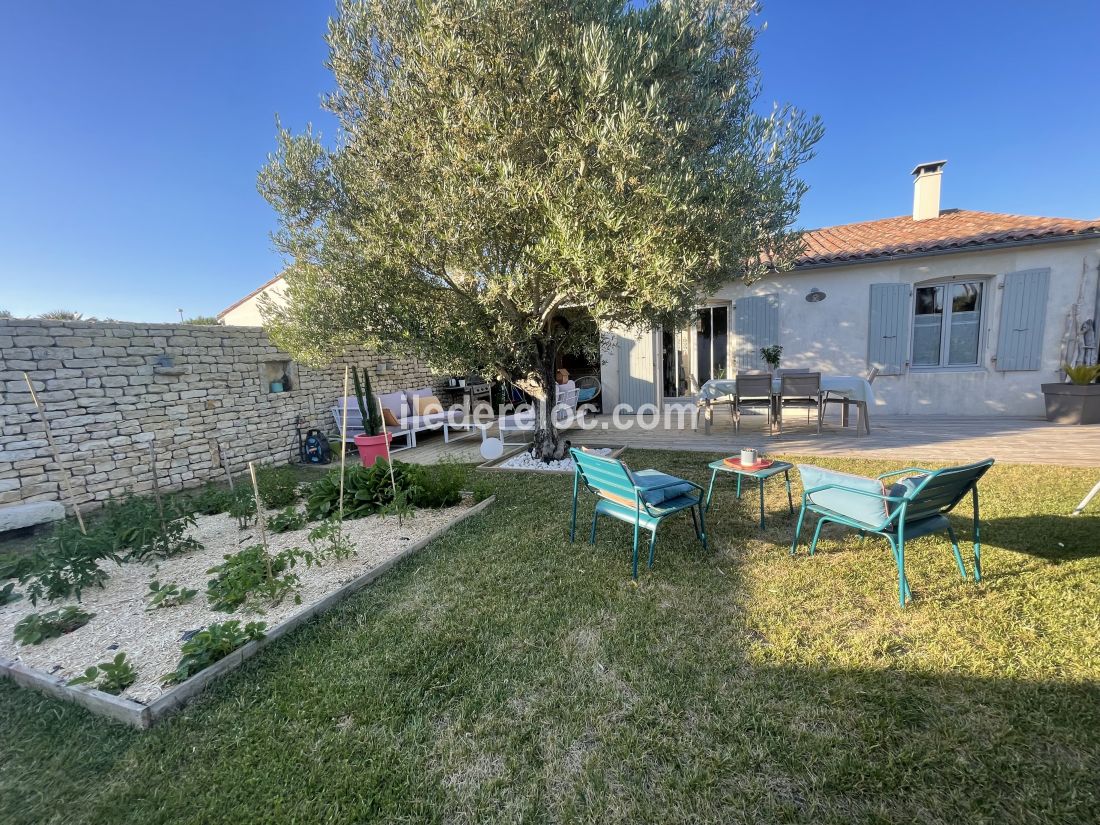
(918, 438)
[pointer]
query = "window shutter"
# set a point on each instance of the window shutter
(888, 329)
(1023, 316)
(756, 325)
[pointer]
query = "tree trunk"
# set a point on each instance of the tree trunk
(547, 443)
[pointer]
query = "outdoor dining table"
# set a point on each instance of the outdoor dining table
(854, 388)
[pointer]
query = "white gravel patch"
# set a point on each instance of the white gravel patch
(151, 639)
(526, 461)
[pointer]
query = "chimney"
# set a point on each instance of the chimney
(926, 190)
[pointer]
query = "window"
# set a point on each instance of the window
(947, 324)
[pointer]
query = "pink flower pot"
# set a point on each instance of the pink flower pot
(372, 447)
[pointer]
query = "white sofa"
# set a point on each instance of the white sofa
(402, 405)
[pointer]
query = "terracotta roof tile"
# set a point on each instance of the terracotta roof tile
(954, 229)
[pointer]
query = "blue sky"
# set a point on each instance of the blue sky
(131, 132)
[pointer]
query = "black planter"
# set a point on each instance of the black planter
(1072, 403)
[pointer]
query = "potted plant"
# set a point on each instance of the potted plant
(374, 442)
(1077, 402)
(770, 356)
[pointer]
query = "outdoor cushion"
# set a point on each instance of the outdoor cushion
(389, 418)
(394, 402)
(903, 488)
(426, 405)
(586, 394)
(655, 478)
(863, 509)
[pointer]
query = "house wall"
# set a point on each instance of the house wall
(832, 335)
(107, 399)
(247, 312)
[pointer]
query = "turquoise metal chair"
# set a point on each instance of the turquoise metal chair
(643, 499)
(910, 508)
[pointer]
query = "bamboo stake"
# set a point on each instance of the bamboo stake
(343, 442)
(259, 510)
(389, 460)
(225, 465)
(65, 480)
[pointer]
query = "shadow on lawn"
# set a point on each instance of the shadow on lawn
(1053, 538)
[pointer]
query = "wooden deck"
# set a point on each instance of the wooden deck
(904, 438)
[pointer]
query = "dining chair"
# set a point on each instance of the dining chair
(833, 397)
(800, 390)
(754, 389)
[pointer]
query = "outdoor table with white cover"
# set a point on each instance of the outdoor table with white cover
(855, 388)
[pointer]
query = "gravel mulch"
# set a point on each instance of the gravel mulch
(151, 639)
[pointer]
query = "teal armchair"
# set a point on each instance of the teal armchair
(912, 507)
(642, 499)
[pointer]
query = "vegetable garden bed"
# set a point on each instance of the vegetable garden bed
(152, 637)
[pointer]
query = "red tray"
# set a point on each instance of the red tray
(735, 463)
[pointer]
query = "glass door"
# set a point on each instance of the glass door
(711, 338)
(675, 358)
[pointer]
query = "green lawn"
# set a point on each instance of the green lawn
(503, 675)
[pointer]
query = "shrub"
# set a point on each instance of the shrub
(114, 676)
(8, 594)
(278, 486)
(482, 490)
(66, 562)
(368, 490)
(210, 645)
(211, 500)
(147, 530)
(36, 628)
(167, 595)
(254, 572)
(287, 520)
(242, 506)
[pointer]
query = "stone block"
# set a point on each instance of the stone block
(17, 516)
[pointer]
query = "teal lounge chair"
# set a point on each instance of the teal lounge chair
(910, 508)
(643, 499)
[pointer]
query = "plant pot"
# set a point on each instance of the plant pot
(1072, 403)
(372, 447)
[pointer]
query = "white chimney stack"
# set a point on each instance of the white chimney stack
(926, 190)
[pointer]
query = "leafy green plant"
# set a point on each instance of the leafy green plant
(167, 595)
(1082, 374)
(15, 565)
(36, 628)
(368, 406)
(254, 573)
(243, 507)
(368, 490)
(66, 562)
(329, 542)
(211, 500)
(210, 645)
(114, 676)
(8, 594)
(148, 530)
(287, 520)
(771, 355)
(278, 486)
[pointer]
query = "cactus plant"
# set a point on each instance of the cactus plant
(368, 407)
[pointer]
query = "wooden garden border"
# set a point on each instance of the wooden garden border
(143, 716)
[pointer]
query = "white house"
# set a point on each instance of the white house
(246, 311)
(964, 313)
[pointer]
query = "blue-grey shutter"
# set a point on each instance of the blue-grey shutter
(756, 325)
(636, 374)
(888, 328)
(1023, 316)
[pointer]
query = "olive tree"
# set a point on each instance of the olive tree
(510, 175)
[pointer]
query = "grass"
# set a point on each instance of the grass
(503, 674)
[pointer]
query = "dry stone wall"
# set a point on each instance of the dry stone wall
(112, 389)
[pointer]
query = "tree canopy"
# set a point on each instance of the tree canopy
(508, 173)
